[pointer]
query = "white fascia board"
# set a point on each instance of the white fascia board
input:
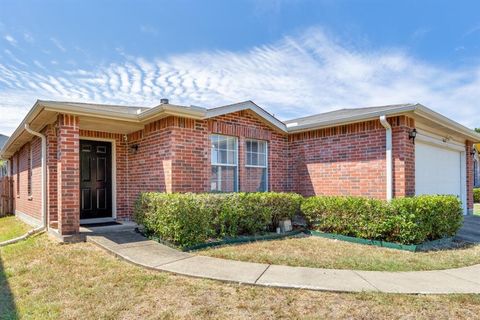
(446, 122)
(349, 120)
(174, 110)
(215, 112)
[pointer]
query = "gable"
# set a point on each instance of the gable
(259, 113)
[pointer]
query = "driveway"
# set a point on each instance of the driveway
(470, 231)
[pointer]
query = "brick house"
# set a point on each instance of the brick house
(73, 162)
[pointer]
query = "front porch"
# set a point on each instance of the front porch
(86, 173)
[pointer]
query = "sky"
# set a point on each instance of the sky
(294, 58)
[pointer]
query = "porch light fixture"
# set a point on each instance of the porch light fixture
(134, 148)
(473, 152)
(412, 135)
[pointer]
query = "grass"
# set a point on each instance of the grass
(333, 254)
(11, 227)
(476, 209)
(40, 279)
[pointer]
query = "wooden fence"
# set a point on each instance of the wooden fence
(6, 196)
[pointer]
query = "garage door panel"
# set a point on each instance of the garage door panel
(437, 170)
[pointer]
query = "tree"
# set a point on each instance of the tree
(477, 129)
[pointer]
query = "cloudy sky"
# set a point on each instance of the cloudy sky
(293, 58)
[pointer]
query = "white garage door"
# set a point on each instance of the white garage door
(437, 170)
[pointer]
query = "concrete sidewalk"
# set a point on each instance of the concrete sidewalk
(133, 247)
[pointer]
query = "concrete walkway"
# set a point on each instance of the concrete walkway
(124, 242)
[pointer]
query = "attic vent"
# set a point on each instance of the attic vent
(163, 101)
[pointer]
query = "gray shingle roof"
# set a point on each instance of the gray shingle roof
(105, 107)
(345, 114)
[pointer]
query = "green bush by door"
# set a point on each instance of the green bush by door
(189, 219)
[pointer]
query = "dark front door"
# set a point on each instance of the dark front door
(95, 179)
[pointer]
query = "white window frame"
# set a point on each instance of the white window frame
(216, 164)
(258, 166)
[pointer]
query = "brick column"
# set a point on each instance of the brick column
(52, 192)
(468, 149)
(68, 171)
(403, 157)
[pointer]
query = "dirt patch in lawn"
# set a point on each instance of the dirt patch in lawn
(40, 279)
(334, 254)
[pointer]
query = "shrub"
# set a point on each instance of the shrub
(179, 218)
(189, 219)
(476, 195)
(405, 220)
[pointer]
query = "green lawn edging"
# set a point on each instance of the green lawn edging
(391, 245)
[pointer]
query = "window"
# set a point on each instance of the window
(256, 164)
(30, 159)
(224, 164)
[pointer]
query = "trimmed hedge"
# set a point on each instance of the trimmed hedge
(476, 195)
(188, 219)
(412, 220)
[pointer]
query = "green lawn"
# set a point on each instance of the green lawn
(476, 209)
(334, 254)
(40, 279)
(11, 227)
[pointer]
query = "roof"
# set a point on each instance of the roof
(132, 118)
(107, 107)
(347, 114)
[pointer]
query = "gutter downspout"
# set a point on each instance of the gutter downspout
(44, 174)
(389, 169)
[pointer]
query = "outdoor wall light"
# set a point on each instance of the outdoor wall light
(134, 148)
(473, 152)
(412, 135)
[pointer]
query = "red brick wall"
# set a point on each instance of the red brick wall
(23, 202)
(351, 160)
(68, 174)
(149, 168)
(52, 185)
(190, 146)
(403, 157)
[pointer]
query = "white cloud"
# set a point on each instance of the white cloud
(58, 44)
(296, 76)
(11, 40)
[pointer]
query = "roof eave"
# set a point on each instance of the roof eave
(172, 110)
(349, 120)
(436, 117)
(219, 111)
